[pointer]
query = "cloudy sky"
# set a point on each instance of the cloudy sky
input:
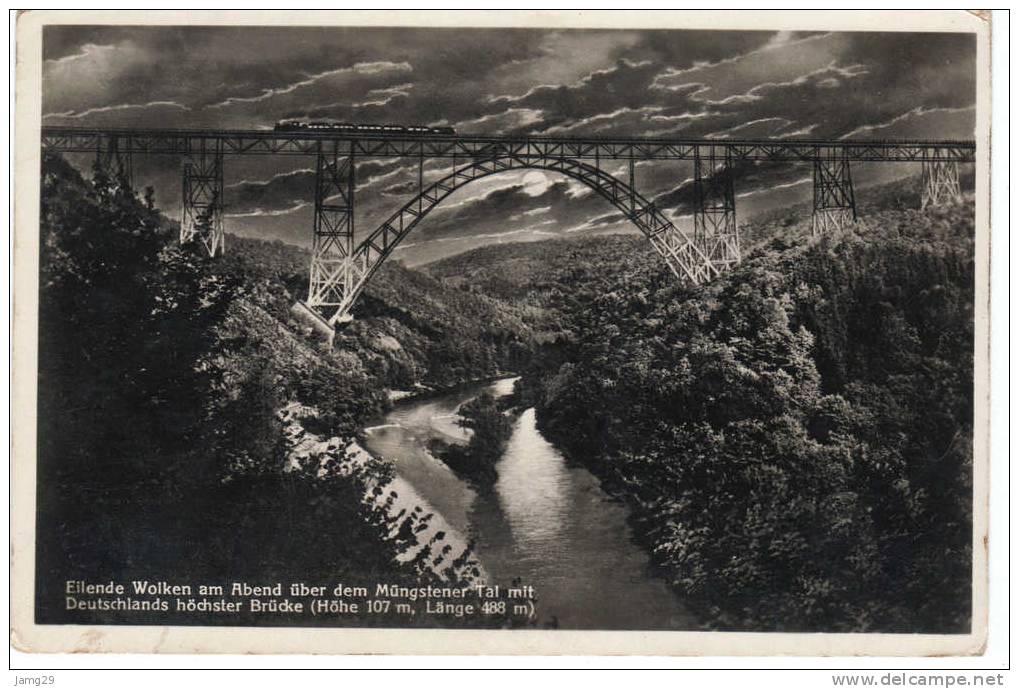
(505, 81)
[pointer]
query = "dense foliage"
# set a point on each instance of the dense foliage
(162, 378)
(490, 430)
(795, 438)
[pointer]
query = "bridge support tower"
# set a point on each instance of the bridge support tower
(715, 227)
(202, 204)
(834, 200)
(940, 182)
(114, 161)
(332, 276)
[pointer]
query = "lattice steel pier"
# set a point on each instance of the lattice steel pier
(202, 202)
(715, 228)
(939, 183)
(340, 266)
(834, 199)
(331, 276)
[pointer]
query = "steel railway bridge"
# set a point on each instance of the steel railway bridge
(340, 269)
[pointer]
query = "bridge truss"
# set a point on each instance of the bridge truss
(834, 200)
(340, 269)
(185, 142)
(940, 183)
(202, 200)
(715, 228)
(685, 257)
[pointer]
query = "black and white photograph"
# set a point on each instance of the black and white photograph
(522, 328)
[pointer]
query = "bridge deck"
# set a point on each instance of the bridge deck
(271, 142)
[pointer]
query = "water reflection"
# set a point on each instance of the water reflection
(534, 489)
(542, 522)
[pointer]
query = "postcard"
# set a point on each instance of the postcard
(501, 332)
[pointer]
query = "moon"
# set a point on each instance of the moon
(535, 183)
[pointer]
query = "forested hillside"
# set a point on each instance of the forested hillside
(174, 391)
(796, 437)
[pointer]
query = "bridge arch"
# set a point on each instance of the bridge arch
(684, 257)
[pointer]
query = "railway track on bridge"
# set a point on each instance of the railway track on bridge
(309, 143)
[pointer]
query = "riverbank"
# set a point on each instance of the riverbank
(329, 457)
(795, 439)
(542, 521)
(163, 454)
(490, 428)
(424, 392)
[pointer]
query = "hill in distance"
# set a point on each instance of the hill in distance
(531, 271)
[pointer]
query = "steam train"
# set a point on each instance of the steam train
(348, 128)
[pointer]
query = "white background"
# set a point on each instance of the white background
(199, 671)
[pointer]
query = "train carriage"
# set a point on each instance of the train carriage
(351, 128)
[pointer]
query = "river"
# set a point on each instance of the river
(545, 522)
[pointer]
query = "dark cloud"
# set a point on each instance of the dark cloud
(720, 84)
(400, 189)
(746, 176)
(291, 188)
(603, 220)
(558, 209)
(620, 87)
(280, 192)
